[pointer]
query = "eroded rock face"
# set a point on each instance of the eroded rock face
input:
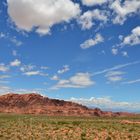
(37, 104)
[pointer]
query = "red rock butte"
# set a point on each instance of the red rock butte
(36, 104)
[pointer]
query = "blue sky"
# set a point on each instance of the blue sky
(85, 51)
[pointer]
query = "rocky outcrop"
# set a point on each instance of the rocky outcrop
(37, 104)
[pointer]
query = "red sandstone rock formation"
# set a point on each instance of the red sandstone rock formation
(37, 104)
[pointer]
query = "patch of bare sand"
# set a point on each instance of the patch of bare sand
(130, 122)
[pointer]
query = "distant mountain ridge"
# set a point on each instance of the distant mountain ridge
(36, 104)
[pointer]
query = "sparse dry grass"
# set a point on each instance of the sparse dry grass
(28, 127)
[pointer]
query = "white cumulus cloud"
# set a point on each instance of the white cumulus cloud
(133, 38)
(64, 69)
(15, 63)
(124, 9)
(26, 68)
(34, 73)
(107, 103)
(79, 80)
(114, 76)
(92, 42)
(87, 19)
(3, 67)
(41, 15)
(55, 78)
(124, 53)
(114, 51)
(93, 2)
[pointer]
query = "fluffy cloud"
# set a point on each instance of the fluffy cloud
(15, 63)
(79, 80)
(33, 70)
(55, 78)
(87, 20)
(107, 103)
(114, 76)
(64, 69)
(92, 42)
(124, 53)
(34, 73)
(93, 2)
(125, 9)
(26, 68)
(3, 67)
(133, 38)
(114, 51)
(41, 15)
